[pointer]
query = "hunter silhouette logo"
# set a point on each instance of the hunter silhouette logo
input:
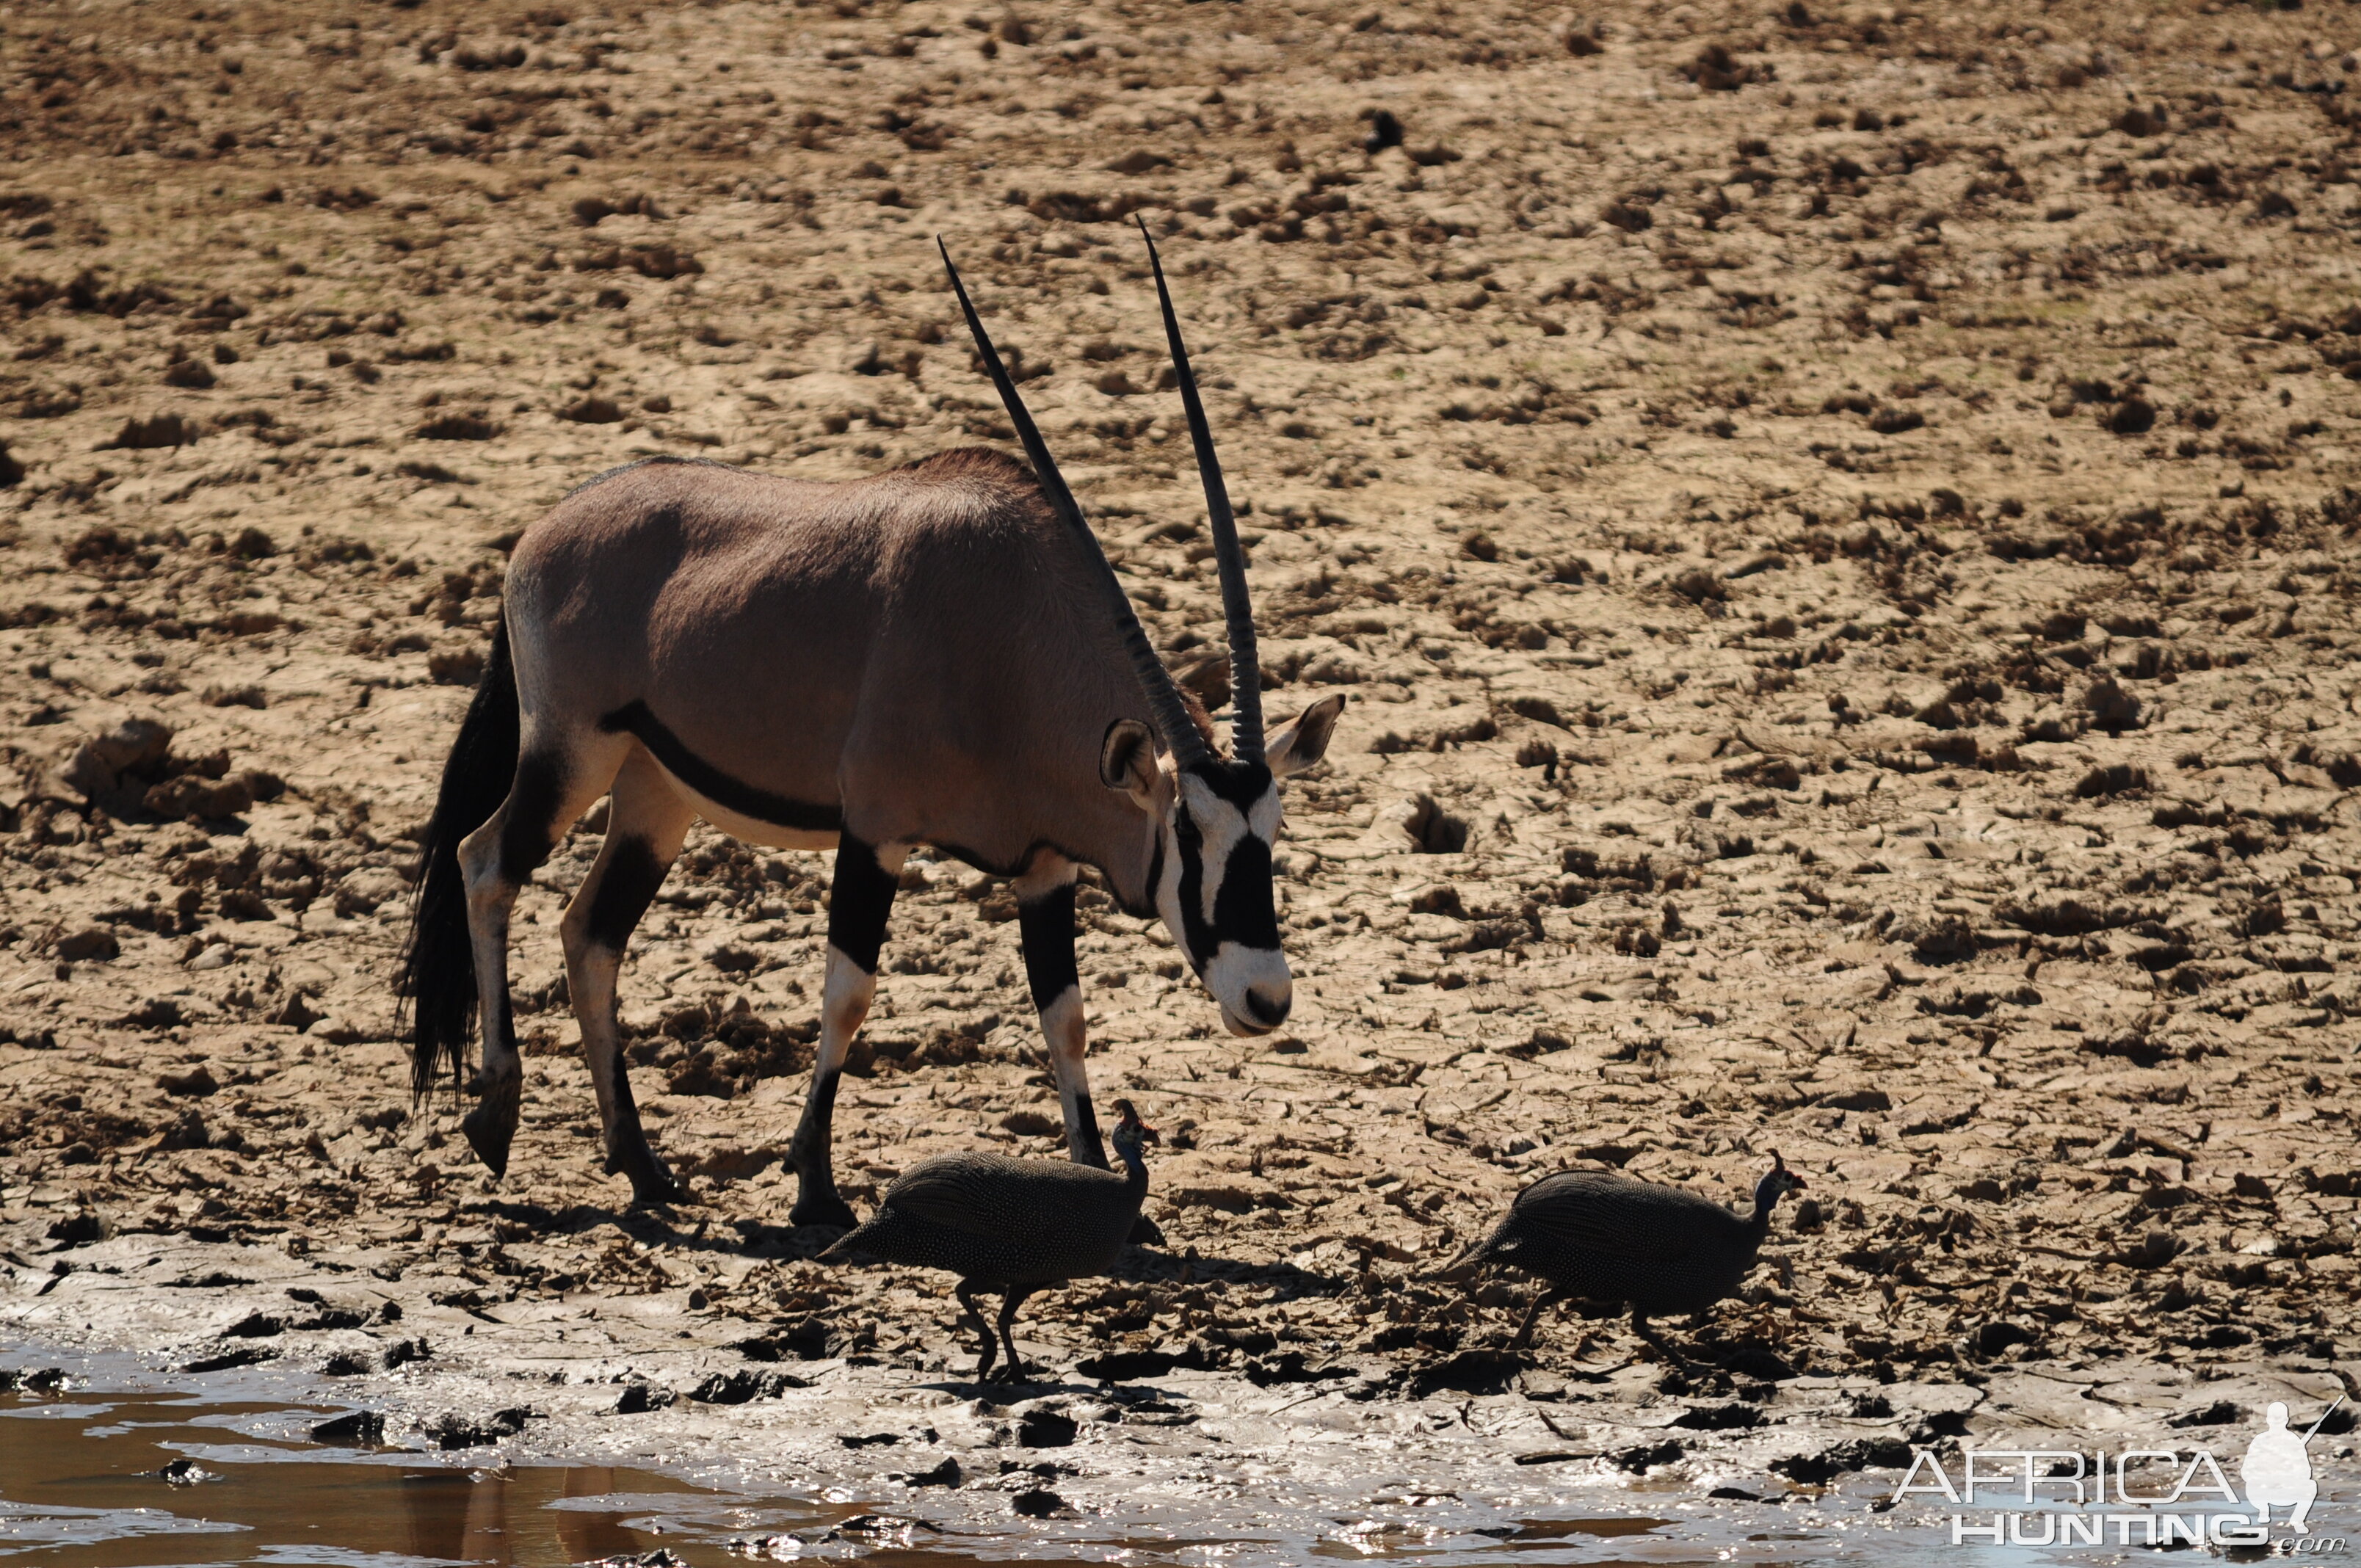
(2153, 1497)
(2278, 1469)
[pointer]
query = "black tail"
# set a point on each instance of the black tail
(438, 963)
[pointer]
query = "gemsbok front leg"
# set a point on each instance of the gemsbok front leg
(861, 897)
(646, 820)
(1045, 923)
(550, 790)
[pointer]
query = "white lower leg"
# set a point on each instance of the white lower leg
(1065, 1025)
(491, 1127)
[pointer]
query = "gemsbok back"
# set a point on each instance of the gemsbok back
(940, 654)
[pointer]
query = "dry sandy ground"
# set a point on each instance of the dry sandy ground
(1835, 523)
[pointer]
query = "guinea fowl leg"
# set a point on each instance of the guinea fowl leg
(984, 1327)
(1640, 1326)
(1012, 1370)
(1546, 1297)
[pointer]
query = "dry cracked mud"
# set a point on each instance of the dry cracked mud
(1837, 522)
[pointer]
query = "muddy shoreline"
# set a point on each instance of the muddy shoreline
(1838, 531)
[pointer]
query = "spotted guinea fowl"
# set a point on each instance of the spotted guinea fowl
(1010, 1225)
(1602, 1237)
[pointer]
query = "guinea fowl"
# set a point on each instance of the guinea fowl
(1011, 1225)
(1602, 1237)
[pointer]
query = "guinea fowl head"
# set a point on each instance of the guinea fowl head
(1776, 1183)
(1129, 1133)
(1127, 1124)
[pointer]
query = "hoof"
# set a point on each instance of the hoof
(491, 1126)
(658, 1190)
(822, 1209)
(653, 1183)
(1144, 1233)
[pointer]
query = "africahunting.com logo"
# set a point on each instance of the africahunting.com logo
(2153, 1497)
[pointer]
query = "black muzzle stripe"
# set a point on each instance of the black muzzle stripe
(1242, 913)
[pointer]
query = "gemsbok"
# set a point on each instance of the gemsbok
(940, 654)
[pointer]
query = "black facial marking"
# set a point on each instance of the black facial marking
(624, 891)
(1195, 933)
(858, 901)
(529, 832)
(1146, 909)
(1046, 927)
(1240, 784)
(734, 795)
(1242, 906)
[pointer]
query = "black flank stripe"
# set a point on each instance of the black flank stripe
(710, 782)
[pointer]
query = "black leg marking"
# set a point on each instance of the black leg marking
(651, 1179)
(625, 889)
(491, 1127)
(627, 1110)
(527, 834)
(1087, 1120)
(817, 1201)
(859, 899)
(823, 1101)
(745, 799)
(1045, 930)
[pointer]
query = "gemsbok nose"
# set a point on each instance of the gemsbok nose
(1268, 1004)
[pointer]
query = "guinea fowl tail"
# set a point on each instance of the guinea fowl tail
(846, 1245)
(1476, 1252)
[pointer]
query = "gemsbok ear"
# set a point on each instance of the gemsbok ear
(1305, 742)
(1128, 759)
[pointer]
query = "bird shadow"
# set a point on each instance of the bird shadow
(1142, 1265)
(661, 1225)
(1069, 1381)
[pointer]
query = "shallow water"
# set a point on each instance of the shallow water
(146, 1479)
(110, 1470)
(83, 1479)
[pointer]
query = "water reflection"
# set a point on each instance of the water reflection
(83, 1481)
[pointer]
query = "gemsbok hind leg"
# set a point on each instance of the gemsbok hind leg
(646, 823)
(550, 790)
(1044, 925)
(861, 897)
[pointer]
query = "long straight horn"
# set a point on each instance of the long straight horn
(1245, 668)
(1164, 701)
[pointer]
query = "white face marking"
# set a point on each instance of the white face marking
(1262, 818)
(1235, 972)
